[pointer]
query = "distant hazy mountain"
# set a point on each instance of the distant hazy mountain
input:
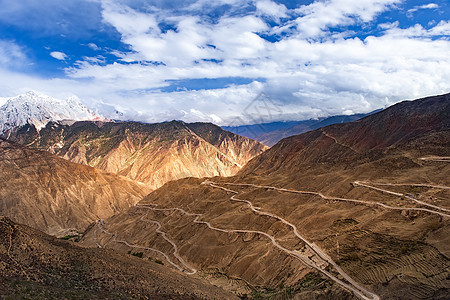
(150, 153)
(270, 133)
(38, 109)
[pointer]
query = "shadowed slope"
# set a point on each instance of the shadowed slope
(402, 127)
(37, 266)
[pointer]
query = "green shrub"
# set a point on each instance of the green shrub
(138, 254)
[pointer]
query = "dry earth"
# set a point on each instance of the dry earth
(46, 192)
(34, 265)
(388, 246)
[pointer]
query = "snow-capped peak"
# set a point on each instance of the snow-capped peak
(39, 109)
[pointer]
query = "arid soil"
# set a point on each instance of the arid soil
(46, 192)
(34, 265)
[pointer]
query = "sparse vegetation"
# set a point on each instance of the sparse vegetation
(156, 261)
(138, 254)
(256, 294)
(309, 282)
(404, 249)
(351, 256)
(68, 237)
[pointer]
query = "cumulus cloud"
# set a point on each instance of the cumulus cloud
(417, 31)
(307, 78)
(306, 69)
(320, 15)
(58, 55)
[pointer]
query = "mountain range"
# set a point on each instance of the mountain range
(356, 210)
(152, 154)
(38, 109)
(271, 133)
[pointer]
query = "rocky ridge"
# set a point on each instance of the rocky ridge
(149, 153)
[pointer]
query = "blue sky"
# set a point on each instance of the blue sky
(200, 60)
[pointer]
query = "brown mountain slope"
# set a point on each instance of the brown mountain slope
(54, 195)
(34, 265)
(362, 207)
(392, 130)
(150, 153)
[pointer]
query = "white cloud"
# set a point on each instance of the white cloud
(94, 47)
(425, 6)
(310, 78)
(11, 54)
(58, 55)
(318, 16)
(193, 39)
(309, 73)
(440, 29)
(271, 9)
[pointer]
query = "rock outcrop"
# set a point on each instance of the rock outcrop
(149, 153)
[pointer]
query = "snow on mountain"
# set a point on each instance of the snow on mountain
(39, 109)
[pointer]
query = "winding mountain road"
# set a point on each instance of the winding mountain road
(336, 141)
(436, 158)
(353, 286)
(349, 283)
(175, 248)
(114, 235)
(372, 203)
(367, 185)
